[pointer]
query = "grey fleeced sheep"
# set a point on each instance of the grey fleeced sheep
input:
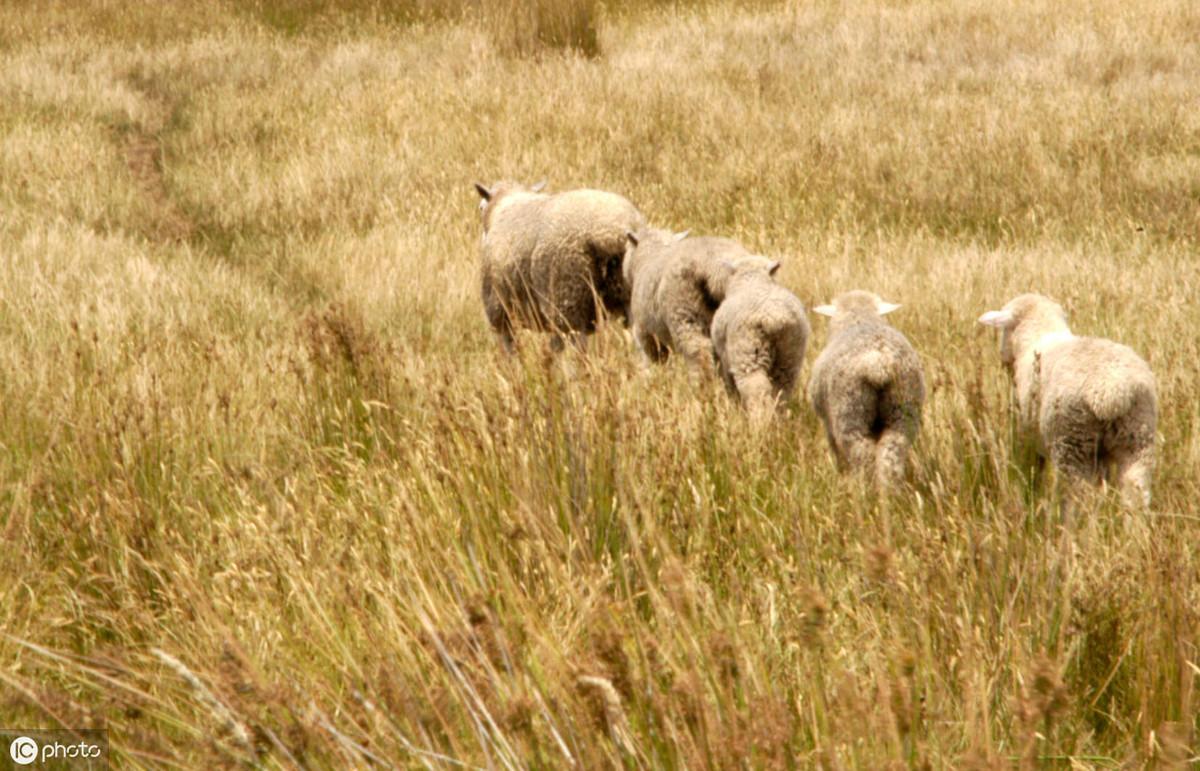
(1090, 402)
(676, 284)
(547, 259)
(868, 388)
(759, 334)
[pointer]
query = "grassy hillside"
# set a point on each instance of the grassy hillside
(270, 493)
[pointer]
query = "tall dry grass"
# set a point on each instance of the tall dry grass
(530, 27)
(270, 495)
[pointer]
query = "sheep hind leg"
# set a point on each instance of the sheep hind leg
(568, 351)
(855, 422)
(1078, 471)
(757, 395)
(727, 379)
(695, 349)
(501, 324)
(1134, 470)
(859, 453)
(891, 458)
(835, 449)
(653, 352)
(897, 423)
(783, 379)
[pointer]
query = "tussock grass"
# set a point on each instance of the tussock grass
(270, 494)
(525, 27)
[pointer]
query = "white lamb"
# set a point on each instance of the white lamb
(868, 388)
(1090, 402)
(553, 261)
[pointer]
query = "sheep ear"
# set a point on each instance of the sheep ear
(538, 187)
(631, 237)
(682, 234)
(825, 310)
(884, 308)
(998, 319)
(771, 271)
(484, 193)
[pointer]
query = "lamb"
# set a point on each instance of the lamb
(759, 334)
(868, 388)
(676, 284)
(553, 262)
(1091, 403)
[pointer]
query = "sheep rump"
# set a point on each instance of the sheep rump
(759, 335)
(1103, 424)
(868, 389)
(553, 262)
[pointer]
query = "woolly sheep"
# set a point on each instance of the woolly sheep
(868, 388)
(676, 283)
(1090, 402)
(759, 335)
(547, 259)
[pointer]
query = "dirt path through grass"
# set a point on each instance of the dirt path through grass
(142, 144)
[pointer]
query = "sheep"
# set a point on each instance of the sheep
(676, 284)
(868, 388)
(549, 261)
(759, 334)
(1090, 402)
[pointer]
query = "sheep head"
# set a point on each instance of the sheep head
(1024, 322)
(855, 305)
(751, 265)
(490, 196)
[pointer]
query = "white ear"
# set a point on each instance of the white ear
(998, 319)
(682, 234)
(884, 308)
(537, 188)
(825, 310)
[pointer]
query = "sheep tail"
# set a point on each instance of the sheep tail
(1113, 397)
(878, 368)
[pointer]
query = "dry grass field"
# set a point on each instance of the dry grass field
(270, 494)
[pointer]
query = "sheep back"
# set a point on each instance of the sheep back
(676, 285)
